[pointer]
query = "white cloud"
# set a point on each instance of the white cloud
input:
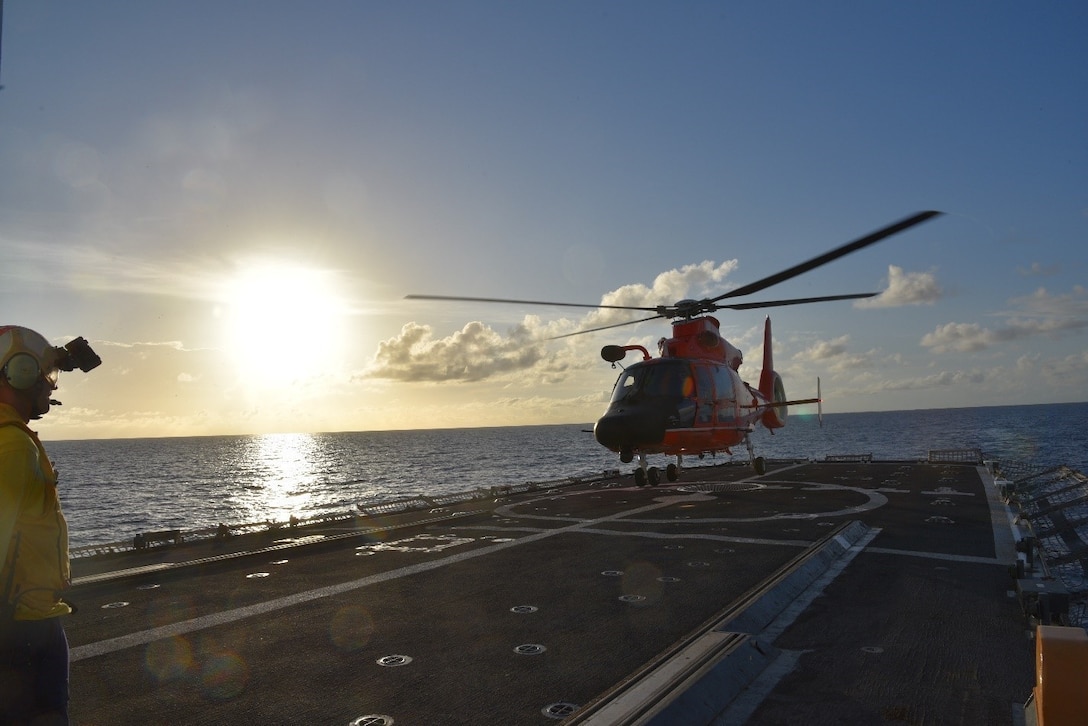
(474, 353)
(1038, 314)
(1042, 303)
(478, 352)
(836, 357)
(905, 288)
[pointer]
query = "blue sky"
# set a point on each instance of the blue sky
(231, 200)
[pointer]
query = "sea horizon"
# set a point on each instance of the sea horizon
(112, 489)
(793, 416)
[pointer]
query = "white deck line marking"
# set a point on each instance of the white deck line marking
(938, 556)
(143, 637)
(709, 537)
(655, 535)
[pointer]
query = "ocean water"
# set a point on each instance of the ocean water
(113, 489)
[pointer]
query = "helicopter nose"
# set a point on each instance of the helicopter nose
(630, 428)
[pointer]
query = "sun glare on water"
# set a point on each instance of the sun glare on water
(284, 323)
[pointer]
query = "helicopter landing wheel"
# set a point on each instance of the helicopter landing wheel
(640, 477)
(654, 475)
(672, 472)
(760, 465)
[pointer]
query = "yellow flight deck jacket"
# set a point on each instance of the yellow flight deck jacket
(31, 523)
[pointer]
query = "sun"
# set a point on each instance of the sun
(283, 322)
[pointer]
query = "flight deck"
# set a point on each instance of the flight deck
(820, 592)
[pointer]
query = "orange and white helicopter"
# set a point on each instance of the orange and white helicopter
(691, 400)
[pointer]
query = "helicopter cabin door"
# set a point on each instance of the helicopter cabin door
(704, 395)
(726, 412)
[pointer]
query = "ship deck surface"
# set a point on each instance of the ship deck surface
(817, 593)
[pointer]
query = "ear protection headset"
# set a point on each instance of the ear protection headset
(22, 371)
(26, 357)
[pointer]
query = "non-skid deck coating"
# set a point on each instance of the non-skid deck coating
(523, 610)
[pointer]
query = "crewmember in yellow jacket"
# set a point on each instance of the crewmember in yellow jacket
(33, 533)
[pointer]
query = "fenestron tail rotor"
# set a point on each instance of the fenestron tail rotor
(693, 308)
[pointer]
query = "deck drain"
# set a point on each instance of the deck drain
(530, 649)
(256, 575)
(872, 649)
(720, 487)
(674, 547)
(392, 661)
(115, 605)
(523, 609)
(725, 550)
(668, 579)
(559, 710)
(373, 719)
(613, 573)
(632, 598)
(699, 564)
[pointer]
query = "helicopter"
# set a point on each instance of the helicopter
(690, 400)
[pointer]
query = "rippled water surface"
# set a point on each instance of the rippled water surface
(112, 489)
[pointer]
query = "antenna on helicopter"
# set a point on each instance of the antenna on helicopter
(1, 38)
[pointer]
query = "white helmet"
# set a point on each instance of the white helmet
(26, 357)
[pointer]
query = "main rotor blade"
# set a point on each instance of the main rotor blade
(606, 327)
(797, 301)
(829, 256)
(454, 298)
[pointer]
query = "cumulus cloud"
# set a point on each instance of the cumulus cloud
(1041, 302)
(905, 288)
(824, 349)
(1039, 314)
(474, 353)
(971, 337)
(835, 355)
(1069, 371)
(478, 352)
(700, 280)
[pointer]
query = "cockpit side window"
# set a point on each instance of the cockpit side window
(672, 378)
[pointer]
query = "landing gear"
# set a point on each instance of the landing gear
(758, 462)
(672, 471)
(652, 475)
(646, 475)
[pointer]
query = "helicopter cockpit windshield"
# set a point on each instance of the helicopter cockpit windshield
(671, 379)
